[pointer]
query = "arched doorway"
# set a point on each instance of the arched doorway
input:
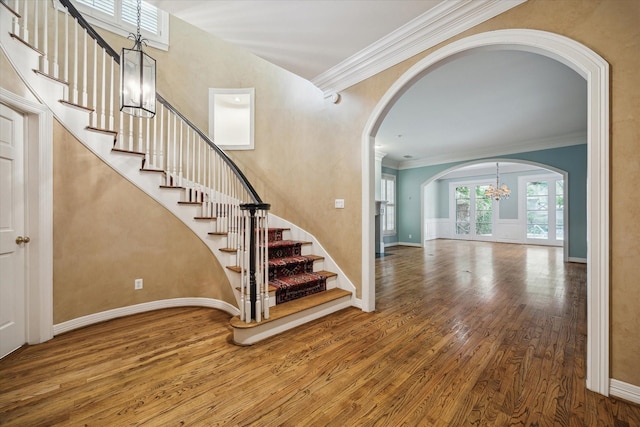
(595, 71)
(506, 230)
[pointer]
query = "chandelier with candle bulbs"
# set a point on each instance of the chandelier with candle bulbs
(498, 192)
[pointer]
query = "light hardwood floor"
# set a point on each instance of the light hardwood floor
(465, 333)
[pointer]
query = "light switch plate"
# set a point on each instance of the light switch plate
(339, 203)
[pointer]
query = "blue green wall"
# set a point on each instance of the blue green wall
(572, 160)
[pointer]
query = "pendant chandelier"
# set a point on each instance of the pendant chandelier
(499, 191)
(137, 78)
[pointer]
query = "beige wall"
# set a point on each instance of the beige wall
(107, 233)
(308, 151)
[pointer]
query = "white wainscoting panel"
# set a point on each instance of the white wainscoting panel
(508, 231)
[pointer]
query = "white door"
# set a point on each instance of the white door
(12, 228)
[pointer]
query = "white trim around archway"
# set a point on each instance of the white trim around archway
(595, 70)
(39, 223)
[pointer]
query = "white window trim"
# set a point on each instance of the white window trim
(522, 209)
(394, 204)
(117, 26)
(495, 212)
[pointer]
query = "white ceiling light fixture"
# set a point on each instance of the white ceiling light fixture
(137, 77)
(498, 192)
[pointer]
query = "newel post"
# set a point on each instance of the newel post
(254, 229)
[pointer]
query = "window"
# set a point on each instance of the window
(121, 17)
(463, 210)
(484, 212)
(544, 209)
(473, 211)
(388, 194)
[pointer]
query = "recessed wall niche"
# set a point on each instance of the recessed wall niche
(231, 118)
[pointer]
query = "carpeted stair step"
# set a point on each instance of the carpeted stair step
(275, 234)
(286, 248)
(289, 288)
(290, 266)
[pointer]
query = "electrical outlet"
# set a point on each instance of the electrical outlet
(339, 203)
(137, 284)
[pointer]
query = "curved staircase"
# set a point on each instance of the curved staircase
(177, 165)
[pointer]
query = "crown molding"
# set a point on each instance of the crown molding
(438, 24)
(514, 148)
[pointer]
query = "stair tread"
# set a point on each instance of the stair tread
(294, 259)
(209, 218)
(50, 77)
(292, 307)
(279, 243)
(120, 150)
(77, 106)
(151, 170)
(229, 250)
(101, 130)
(172, 187)
(325, 273)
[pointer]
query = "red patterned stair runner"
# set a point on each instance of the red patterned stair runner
(290, 272)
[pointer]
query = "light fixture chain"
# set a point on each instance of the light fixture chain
(139, 20)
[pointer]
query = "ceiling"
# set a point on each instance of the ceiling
(482, 104)
(306, 37)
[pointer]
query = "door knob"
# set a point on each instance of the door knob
(21, 239)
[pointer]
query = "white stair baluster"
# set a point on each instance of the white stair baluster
(161, 160)
(36, 24)
(180, 156)
(147, 143)
(140, 147)
(103, 92)
(66, 49)
(94, 94)
(56, 24)
(154, 156)
(75, 63)
(25, 22)
(112, 89)
(85, 101)
(188, 159)
(45, 39)
(130, 132)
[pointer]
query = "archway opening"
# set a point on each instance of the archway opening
(595, 71)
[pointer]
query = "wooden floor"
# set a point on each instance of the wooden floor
(466, 333)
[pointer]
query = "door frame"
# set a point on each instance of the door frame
(38, 215)
(595, 70)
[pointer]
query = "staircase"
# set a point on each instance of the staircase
(279, 283)
(300, 290)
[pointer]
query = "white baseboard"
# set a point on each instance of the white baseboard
(624, 391)
(388, 245)
(417, 245)
(91, 319)
(578, 260)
